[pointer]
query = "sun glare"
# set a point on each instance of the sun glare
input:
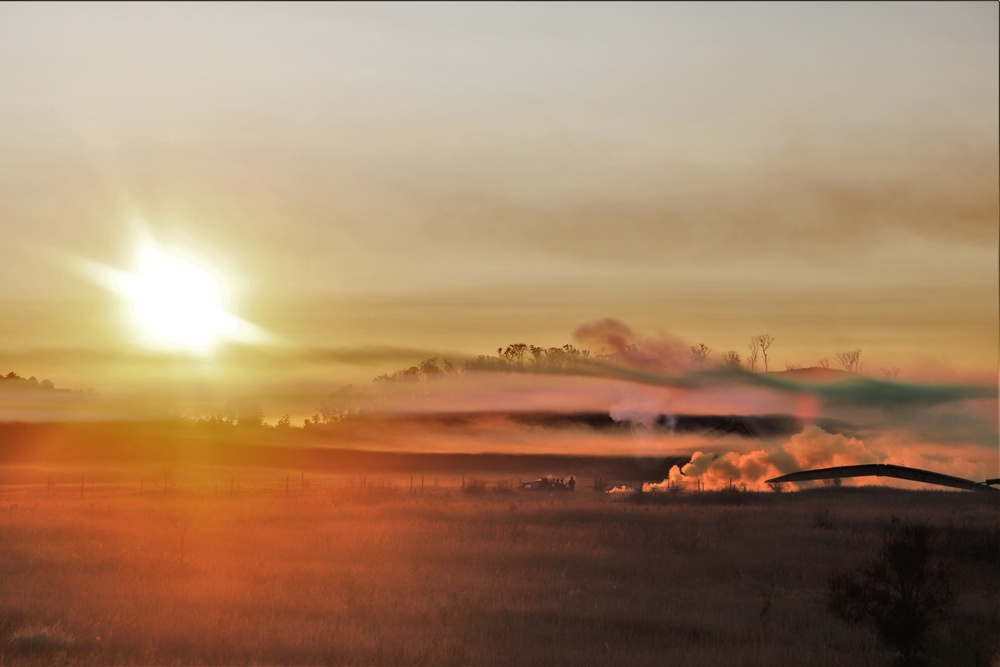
(176, 302)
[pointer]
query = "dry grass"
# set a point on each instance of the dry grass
(380, 576)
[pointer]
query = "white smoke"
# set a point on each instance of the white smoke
(639, 413)
(811, 448)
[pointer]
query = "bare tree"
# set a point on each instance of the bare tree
(754, 351)
(850, 360)
(700, 352)
(731, 359)
(792, 367)
(764, 343)
(891, 373)
(824, 362)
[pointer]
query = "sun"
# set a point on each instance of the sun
(175, 302)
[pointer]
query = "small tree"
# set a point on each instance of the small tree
(731, 359)
(901, 593)
(891, 373)
(764, 342)
(823, 363)
(850, 360)
(700, 352)
(753, 352)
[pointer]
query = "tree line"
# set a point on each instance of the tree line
(12, 380)
(523, 356)
(517, 356)
(757, 354)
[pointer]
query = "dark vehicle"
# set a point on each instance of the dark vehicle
(548, 484)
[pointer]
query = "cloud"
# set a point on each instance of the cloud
(819, 200)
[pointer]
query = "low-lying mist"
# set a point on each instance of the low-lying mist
(638, 397)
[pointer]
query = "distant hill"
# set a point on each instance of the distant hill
(816, 375)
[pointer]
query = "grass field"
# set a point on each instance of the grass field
(340, 573)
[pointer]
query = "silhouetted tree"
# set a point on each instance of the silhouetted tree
(901, 593)
(425, 370)
(15, 381)
(891, 373)
(514, 353)
(700, 352)
(731, 359)
(764, 342)
(507, 359)
(823, 363)
(429, 367)
(753, 350)
(555, 357)
(850, 360)
(485, 362)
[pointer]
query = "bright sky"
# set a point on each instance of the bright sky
(456, 177)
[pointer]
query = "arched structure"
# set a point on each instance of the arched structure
(886, 470)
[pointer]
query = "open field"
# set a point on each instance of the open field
(186, 572)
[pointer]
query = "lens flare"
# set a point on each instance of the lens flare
(176, 302)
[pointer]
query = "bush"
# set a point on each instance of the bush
(474, 486)
(37, 638)
(822, 518)
(901, 594)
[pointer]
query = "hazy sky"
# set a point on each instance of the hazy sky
(456, 177)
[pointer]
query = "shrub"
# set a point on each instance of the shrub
(474, 486)
(823, 518)
(901, 594)
(37, 638)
